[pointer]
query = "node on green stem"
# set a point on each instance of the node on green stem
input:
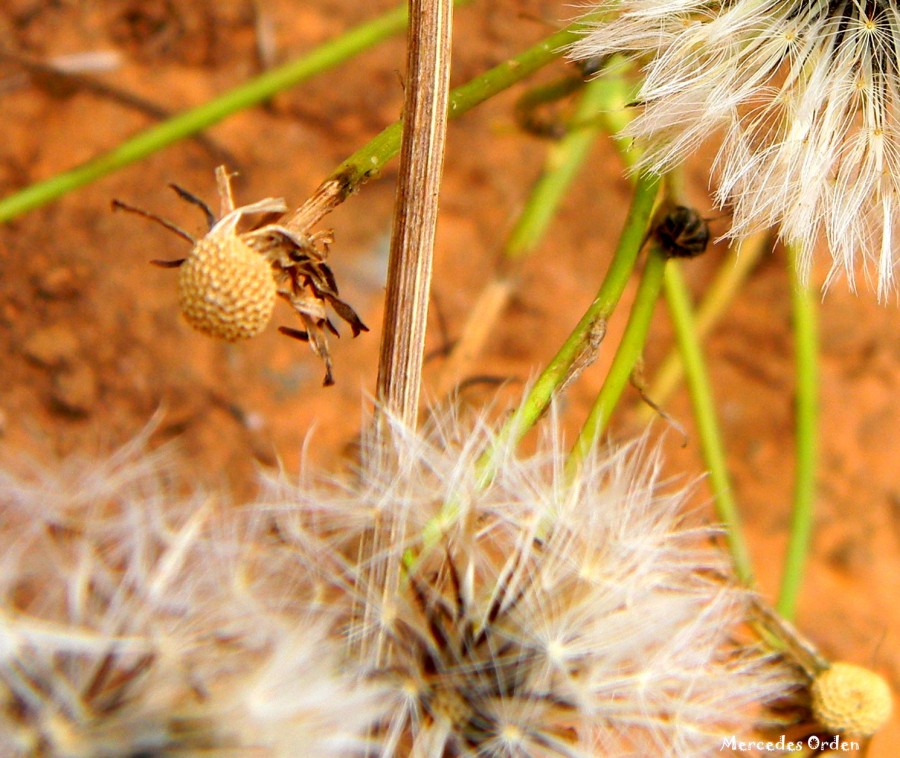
(228, 283)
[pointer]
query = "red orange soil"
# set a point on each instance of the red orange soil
(92, 343)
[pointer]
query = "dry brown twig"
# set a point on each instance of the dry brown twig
(415, 212)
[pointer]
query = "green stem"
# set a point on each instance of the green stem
(625, 359)
(581, 345)
(717, 297)
(807, 410)
(564, 160)
(190, 122)
(707, 423)
(372, 157)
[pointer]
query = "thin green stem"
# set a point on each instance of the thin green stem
(581, 345)
(717, 297)
(807, 415)
(625, 359)
(705, 414)
(190, 122)
(372, 157)
(564, 160)
(578, 349)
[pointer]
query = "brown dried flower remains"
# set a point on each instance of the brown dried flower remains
(835, 698)
(228, 284)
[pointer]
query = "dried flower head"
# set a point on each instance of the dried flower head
(228, 283)
(535, 616)
(135, 620)
(226, 289)
(850, 699)
(807, 97)
(832, 700)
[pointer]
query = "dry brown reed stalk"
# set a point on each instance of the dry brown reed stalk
(415, 213)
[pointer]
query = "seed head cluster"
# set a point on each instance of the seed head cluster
(226, 289)
(850, 699)
(400, 609)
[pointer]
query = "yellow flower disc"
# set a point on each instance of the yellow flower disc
(851, 699)
(226, 289)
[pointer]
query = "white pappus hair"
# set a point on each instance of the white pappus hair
(536, 615)
(807, 96)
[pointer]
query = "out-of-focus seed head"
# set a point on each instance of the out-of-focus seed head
(226, 289)
(139, 620)
(850, 699)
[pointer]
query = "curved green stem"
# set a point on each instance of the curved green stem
(626, 357)
(372, 157)
(807, 415)
(581, 345)
(705, 414)
(565, 158)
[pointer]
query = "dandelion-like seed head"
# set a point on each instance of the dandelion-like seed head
(409, 609)
(534, 616)
(140, 619)
(806, 97)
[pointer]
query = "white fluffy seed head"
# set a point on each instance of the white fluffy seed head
(226, 289)
(850, 699)
(408, 610)
(536, 615)
(137, 621)
(806, 97)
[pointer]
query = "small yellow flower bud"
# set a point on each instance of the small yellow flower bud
(226, 289)
(851, 699)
